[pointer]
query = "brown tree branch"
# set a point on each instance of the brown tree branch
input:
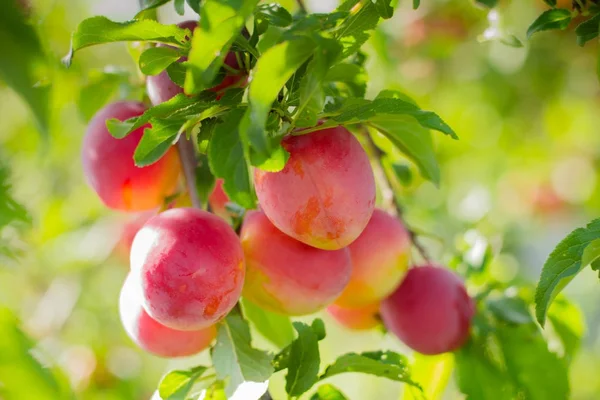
(390, 199)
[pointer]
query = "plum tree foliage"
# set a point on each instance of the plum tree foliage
(253, 107)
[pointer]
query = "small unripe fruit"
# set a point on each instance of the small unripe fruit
(362, 318)
(287, 276)
(430, 311)
(109, 168)
(379, 261)
(153, 336)
(191, 268)
(325, 195)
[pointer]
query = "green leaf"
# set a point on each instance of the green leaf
(351, 75)
(176, 72)
(363, 17)
(541, 374)
(275, 327)
(216, 391)
(22, 376)
(328, 392)
(179, 6)
(318, 326)
(312, 97)
(180, 107)
(415, 142)
(100, 30)
(194, 5)
(353, 43)
(568, 323)
(23, 63)
(551, 3)
(383, 7)
(385, 109)
(432, 373)
(227, 161)
(156, 59)
(270, 74)
(282, 359)
(234, 358)
(563, 264)
(205, 180)
(304, 361)
(587, 30)
(512, 310)
(487, 3)
(591, 253)
(557, 18)
(100, 89)
(148, 4)
(156, 141)
(274, 14)
(478, 377)
(177, 385)
(385, 364)
(510, 40)
(416, 4)
(308, 24)
(220, 23)
(402, 172)
(12, 213)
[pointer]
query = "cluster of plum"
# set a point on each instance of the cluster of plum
(316, 242)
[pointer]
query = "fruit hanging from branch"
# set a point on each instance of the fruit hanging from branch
(153, 336)
(110, 170)
(430, 311)
(325, 195)
(287, 276)
(190, 266)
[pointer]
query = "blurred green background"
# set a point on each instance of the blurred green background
(522, 176)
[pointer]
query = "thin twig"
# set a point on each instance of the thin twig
(302, 6)
(187, 155)
(390, 199)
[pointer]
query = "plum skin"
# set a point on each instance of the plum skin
(152, 336)
(218, 200)
(380, 259)
(430, 311)
(286, 276)
(362, 318)
(110, 170)
(325, 194)
(191, 267)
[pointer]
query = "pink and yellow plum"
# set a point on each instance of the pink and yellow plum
(287, 276)
(218, 199)
(190, 265)
(379, 261)
(325, 195)
(430, 311)
(109, 168)
(362, 318)
(153, 336)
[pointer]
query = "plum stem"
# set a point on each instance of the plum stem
(302, 6)
(187, 156)
(389, 196)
